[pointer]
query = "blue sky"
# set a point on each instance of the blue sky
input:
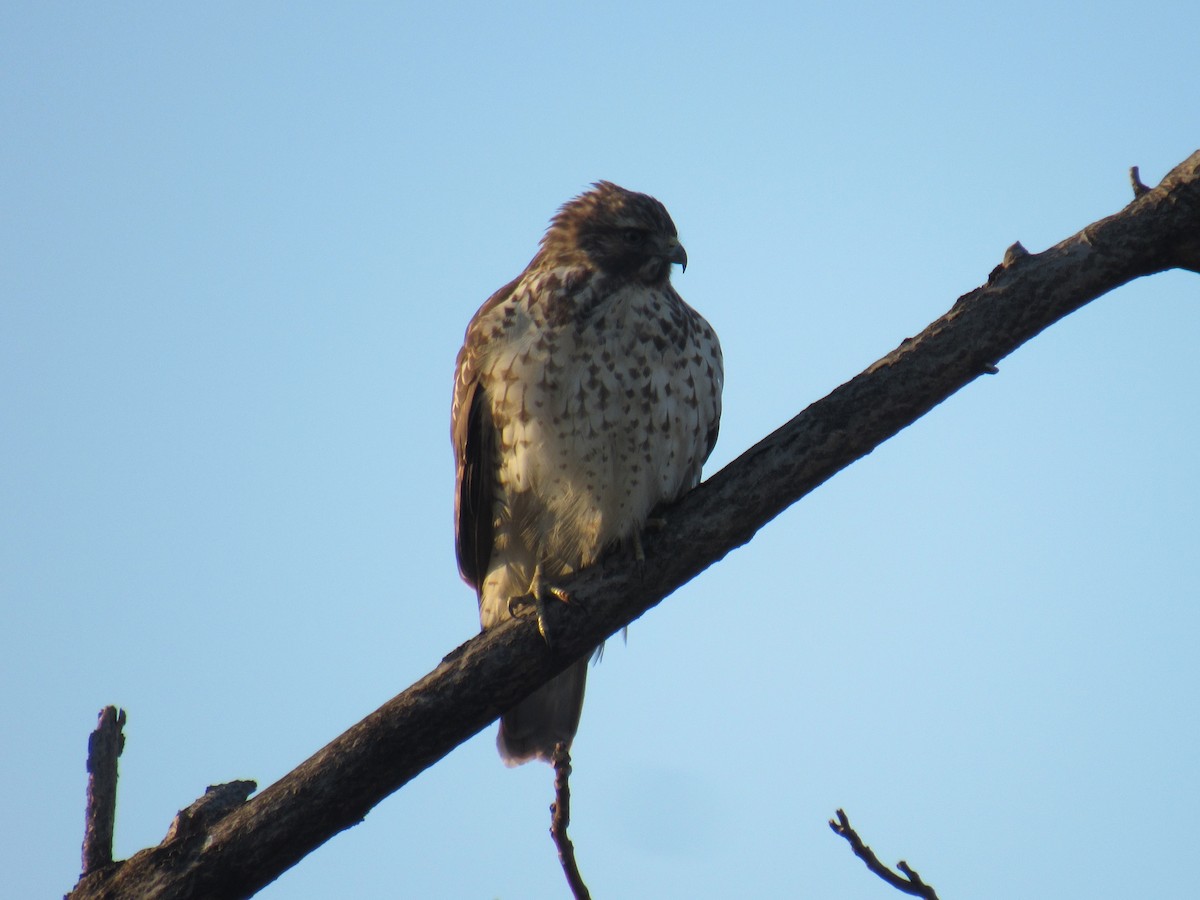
(239, 249)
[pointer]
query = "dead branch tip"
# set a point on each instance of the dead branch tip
(104, 747)
(1135, 179)
(1015, 252)
(909, 882)
(560, 818)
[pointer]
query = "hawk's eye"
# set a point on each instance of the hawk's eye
(633, 236)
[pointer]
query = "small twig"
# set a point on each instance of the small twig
(104, 746)
(912, 884)
(560, 818)
(1135, 179)
(1014, 254)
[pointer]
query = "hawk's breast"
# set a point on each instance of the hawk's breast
(601, 415)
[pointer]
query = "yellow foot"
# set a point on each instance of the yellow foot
(536, 600)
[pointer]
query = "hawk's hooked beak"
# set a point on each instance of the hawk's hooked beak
(676, 254)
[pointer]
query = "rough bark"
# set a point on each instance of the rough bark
(104, 747)
(237, 853)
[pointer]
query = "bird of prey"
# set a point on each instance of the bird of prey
(587, 393)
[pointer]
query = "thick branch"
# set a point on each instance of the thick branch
(336, 787)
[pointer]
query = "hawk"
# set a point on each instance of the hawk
(587, 393)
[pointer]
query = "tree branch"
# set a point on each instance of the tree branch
(560, 820)
(336, 787)
(104, 747)
(909, 882)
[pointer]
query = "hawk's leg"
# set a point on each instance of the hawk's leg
(540, 592)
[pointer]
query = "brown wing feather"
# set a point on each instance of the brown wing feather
(473, 506)
(710, 441)
(473, 436)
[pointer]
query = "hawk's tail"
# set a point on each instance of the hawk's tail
(550, 714)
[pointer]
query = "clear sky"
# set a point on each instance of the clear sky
(238, 249)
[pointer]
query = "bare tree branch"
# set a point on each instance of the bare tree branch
(1135, 179)
(336, 787)
(560, 819)
(909, 882)
(104, 747)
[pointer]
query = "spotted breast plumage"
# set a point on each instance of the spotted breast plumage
(587, 394)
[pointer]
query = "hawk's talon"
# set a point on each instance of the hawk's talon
(519, 607)
(539, 593)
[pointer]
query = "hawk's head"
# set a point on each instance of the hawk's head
(620, 232)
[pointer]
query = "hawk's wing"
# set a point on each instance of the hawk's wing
(710, 440)
(474, 439)
(717, 374)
